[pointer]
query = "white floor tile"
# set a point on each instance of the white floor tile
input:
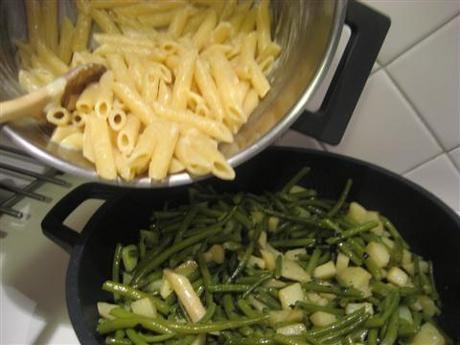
(385, 130)
(441, 178)
(296, 139)
(375, 68)
(455, 155)
(411, 20)
(429, 74)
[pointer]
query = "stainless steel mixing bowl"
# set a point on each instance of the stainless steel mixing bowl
(307, 30)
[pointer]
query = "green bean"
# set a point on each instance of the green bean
(391, 333)
(392, 302)
(303, 242)
(278, 266)
(434, 291)
(135, 338)
(372, 336)
(156, 338)
(295, 179)
(185, 224)
(296, 219)
(393, 231)
(243, 219)
(130, 292)
(229, 307)
(313, 262)
(228, 288)
(246, 308)
(263, 278)
(353, 231)
(206, 275)
(345, 292)
(341, 200)
(120, 334)
(151, 324)
(287, 340)
(167, 214)
(153, 263)
(373, 268)
(116, 266)
(114, 341)
(315, 307)
(209, 313)
(344, 247)
(342, 327)
(268, 300)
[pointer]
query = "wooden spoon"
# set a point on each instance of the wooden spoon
(60, 91)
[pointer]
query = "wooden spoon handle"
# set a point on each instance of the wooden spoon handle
(33, 103)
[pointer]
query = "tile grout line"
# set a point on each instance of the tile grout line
(418, 165)
(425, 124)
(413, 45)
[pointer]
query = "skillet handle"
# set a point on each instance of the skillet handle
(369, 29)
(53, 224)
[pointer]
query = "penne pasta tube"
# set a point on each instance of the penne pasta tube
(222, 33)
(247, 55)
(33, 20)
(61, 132)
(164, 93)
(194, 22)
(134, 102)
(28, 81)
(266, 64)
(80, 35)
(154, 54)
(104, 21)
(250, 103)
(178, 22)
(50, 29)
(108, 4)
(263, 25)
(249, 22)
(203, 34)
(64, 49)
(120, 70)
(167, 136)
(139, 159)
(87, 146)
(258, 79)
(55, 64)
(43, 75)
(78, 119)
(73, 141)
(127, 136)
(104, 100)
(102, 148)
(58, 116)
(212, 128)
(175, 166)
(87, 100)
(117, 119)
(183, 81)
(229, 8)
(122, 166)
(194, 163)
(143, 8)
(226, 82)
(158, 20)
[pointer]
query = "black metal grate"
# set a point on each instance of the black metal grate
(20, 176)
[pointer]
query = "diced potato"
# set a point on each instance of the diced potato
(187, 267)
(328, 296)
(289, 295)
(165, 289)
(215, 254)
(293, 271)
(379, 253)
(405, 314)
(352, 307)
(269, 258)
(294, 329)
(325, 271)
(373, 215)
(389, 243)
(144, 307)
(273, 223)
(423, 266)
(428, 335)
(155, 286)
(104, 310)
(428, 305)
(262, 240)
(409, 268)
(289, 315)
(357, 213)
(255, 261)
(199, 340)
(356, 277)
(275, 283)
(257, 216)
(341, 262)
(397, 276)
(315, 298)
(294, 253)
(322, 319)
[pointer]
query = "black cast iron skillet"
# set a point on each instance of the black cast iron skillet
(431, 228)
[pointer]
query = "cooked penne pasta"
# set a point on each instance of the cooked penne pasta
(167, 134)
(58, 116)
(102, 148)
(127, 136)
(183, 76)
